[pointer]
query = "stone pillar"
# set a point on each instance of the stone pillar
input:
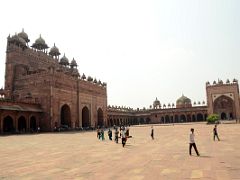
(16, 124)
(73, 124)
(28, 124)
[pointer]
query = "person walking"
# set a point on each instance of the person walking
(124, 139)
(116, 135)
(152, 133)
(38, 129)
(102, 134)
(110, 134)
(192, 143)
(98, 133)
(215, 133)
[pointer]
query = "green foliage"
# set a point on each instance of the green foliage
(212, 118)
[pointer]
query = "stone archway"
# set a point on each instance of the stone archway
(111, 122)
(200, 117)
(224, 105)
(167, 119)
(33, 124)
(223, 115)
(176, 119)
(182, 118)
(100, 121)
(193, 118)
(22, 124)
(162, 120)
(142, 120)
(85, 117)
(8, 124)
(205, 117)
(65, 115)
(148, 120)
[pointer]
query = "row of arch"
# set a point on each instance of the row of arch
(183, 118)
(22, 124)
(118, 120)
(65, 117)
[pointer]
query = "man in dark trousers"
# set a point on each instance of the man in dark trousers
(124, 138)
(110, 134)
(192, 143)
(215, 133)
(152, 133)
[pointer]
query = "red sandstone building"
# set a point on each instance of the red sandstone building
(43, 90)
(47, 90)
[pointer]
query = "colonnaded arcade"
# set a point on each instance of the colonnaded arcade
(43, 90)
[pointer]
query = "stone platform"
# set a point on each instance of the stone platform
(78, 155)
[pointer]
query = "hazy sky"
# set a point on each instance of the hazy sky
(142, 49)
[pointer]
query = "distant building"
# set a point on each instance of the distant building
(222, 99)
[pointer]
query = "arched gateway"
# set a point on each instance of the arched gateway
(85, 117)
(8, 124)
(100, 121)
(33, 123)
(65, 115)
(224, 106)
(22, 125)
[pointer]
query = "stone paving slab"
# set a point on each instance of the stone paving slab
(78, 155)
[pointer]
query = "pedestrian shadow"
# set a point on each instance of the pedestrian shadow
(204, 156)
(128, 145)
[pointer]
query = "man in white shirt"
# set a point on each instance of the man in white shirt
(192, 143)
(124, 139)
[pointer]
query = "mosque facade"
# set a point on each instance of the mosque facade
(45, 90)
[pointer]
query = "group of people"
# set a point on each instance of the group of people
(124, 134)
(100, 134)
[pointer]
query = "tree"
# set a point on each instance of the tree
(212, 118)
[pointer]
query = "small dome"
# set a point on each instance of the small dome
(18, 40)
(156, 103)
(73, 63)
(40, 40)
(64, 61)
(22, 41)
(23, 35)
(54, 51)
(183, 101)
(40, 44)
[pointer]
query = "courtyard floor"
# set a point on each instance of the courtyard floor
(78, 155)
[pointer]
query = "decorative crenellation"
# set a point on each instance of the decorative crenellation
(199, 103)
(120, 108)
(93, 81)
(219, 82)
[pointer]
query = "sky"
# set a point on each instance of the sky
(143, 49)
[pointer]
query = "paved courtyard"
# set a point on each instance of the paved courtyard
(78, 155)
